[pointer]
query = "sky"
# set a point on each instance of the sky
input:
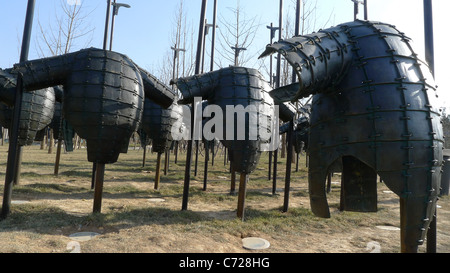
(143, 31)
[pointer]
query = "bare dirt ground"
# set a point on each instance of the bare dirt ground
(137, 218)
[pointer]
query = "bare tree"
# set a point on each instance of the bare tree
(182, 37)
(237, 37)
(60, 36)
(70, 26)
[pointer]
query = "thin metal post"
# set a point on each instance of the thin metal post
(94, 169)
(242, 192)
(274, 176)
(429, 57)
(270, 164)
(287, 182)
(58, 157)
(166, 161)
(196, 157)
(205, 171)
(116, 7)
(213, 35)
(14, 148)
(366, 16)
(272, 35)
(297, 32)
(187, 172)
(429, 35)
(98, 169)
(211, 67)
(233, 180)
(99, 176)
(108, 11)
(112, 24)
(144, 155)
(277, 84)
(158, 171)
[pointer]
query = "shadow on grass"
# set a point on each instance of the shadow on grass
(46, 220)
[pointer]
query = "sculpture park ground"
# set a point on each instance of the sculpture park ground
(137, 218)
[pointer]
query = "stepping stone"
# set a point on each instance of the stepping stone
(388, 227)
(83, 236)
(255, 243)
(19, 202)
(156, 200)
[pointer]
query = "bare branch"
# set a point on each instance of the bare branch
(71, 26)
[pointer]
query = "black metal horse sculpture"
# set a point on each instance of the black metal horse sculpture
(373, 111)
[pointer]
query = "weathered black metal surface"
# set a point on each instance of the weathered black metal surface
(378, 105)
(7, 87)
(61, 128)
(157, 124)
(36, 111)
(320, 59)
(233, 86)
(103, 96)
(299, 135)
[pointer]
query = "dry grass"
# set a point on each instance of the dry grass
(132, 221)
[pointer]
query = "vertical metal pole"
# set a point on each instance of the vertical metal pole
(166, 161)
(204, 47)
(94, 169)
(277, 84)
(287, 182)
(105, 37)
(18, 165)
(205, 171)
(429, 57)
(58, 157)
(233, 180)
(158, 171)
(270, 164)
(144, 155)
(429, 36)
(272, 34)
(99, 176)
(14, 148)
(355, 10)
(211, 68)
(112, 25)
(242, 192)
(196, 156)
(366, 15)
(187, 172)
(297, 32)
(274, 176)
(213, 36)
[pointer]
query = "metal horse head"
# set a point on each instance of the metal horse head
(373, 111)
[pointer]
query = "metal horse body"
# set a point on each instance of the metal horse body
(373, 111)
(36, 111)
(233, 86)
(227, 88)
(157, 124)
(103, 96)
